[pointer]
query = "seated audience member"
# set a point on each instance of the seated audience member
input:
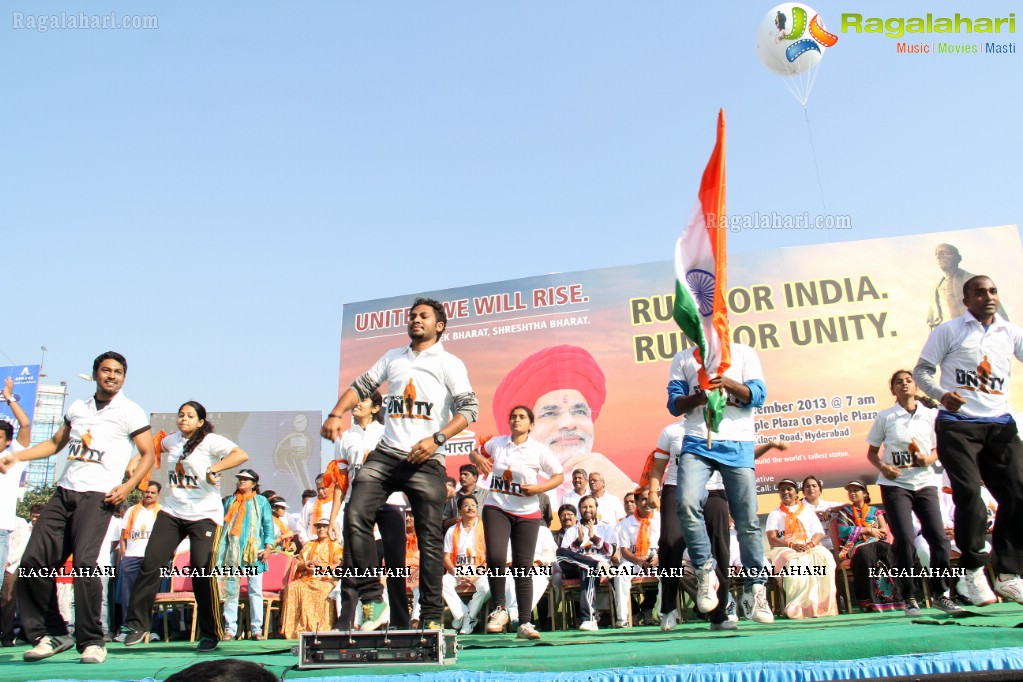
(584, 548)
(822, 508)
(807, 570)
(580, 487)
(637, 544)
(568, 516)
(450, 503)
(546, 511)
(465, 559)
(412, 563)
(609, 507)
(284, 537)
(629, 503)
(319, 508)
(859, 531)
(468, 477)
(307, 603)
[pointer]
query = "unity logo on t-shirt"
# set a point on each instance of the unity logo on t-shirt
(980, 379)
(179, 479)
(79, 450)
(904, 459)
(505, 484)
(467, 559)
(406, 406)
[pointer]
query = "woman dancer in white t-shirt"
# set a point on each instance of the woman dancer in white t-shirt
(909, 482)
(513, 510)
(192, 508)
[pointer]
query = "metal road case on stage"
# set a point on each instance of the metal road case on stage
(336, 649)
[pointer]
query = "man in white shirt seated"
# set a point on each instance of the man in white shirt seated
(609, 507)
(582, 553)
(580, 487)
(637, 544)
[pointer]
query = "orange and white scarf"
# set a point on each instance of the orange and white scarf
(132, 516)
(477, 552)
(643, 536)
(235, 516)
(795, 531)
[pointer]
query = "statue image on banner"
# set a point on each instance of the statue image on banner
(565, 388)
(947, 297)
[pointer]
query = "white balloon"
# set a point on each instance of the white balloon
(788, 51)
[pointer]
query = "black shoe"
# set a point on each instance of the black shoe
(135, 637)
(912, 608)
(7, 642)
(943, 603)
(206, 644)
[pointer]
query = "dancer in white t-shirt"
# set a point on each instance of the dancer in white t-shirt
(512, 511)
(98, 435)
(191, 509)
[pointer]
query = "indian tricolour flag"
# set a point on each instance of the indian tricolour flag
(700, 259)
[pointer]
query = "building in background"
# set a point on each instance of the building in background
(49, 415)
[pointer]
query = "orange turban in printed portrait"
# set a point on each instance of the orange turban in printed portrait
(551, 369)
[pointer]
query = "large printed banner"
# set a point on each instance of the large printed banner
(283, 448)
(590, 351)
(26, 385)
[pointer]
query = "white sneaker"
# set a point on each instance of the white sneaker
(669, 620)
(974, 587)
(468, 626)
(746, 605)
(456, 623)
(761, 612)
(589, 626)
(527, 631)
(732, 610)
(1011, 587)
(707, 588)
(94, 653)
(48, 646)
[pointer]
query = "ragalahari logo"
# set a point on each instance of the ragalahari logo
(792, 38)
(791, 41)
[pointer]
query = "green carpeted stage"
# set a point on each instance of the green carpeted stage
(842, 647)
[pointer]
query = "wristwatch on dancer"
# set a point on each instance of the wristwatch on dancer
(439, 438)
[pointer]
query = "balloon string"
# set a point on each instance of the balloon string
(813, 151)
(812, 78)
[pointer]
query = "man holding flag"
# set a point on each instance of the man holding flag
(715, 385)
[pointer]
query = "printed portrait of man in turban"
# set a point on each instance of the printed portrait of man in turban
(565, 388)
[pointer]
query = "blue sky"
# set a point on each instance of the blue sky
(204, 197)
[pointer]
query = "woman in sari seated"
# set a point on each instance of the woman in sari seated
(307, 603)
(805, 570)
(859, 533)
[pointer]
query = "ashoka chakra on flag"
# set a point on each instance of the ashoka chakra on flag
(701, 283)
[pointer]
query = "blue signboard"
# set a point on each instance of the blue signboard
(26, 384)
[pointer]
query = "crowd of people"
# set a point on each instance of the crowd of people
(385, 520)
